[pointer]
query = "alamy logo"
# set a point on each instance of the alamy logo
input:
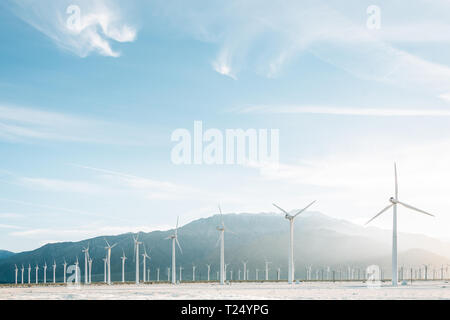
(374, 19)
(234, 146)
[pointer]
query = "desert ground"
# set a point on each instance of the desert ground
(251, 290)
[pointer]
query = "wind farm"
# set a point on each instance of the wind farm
(310, 275)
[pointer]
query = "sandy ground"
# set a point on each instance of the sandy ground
(258, 291)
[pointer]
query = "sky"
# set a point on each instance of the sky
(91, 93)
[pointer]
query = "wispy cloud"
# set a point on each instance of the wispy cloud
(63, 185)
(100, 23)
(344, 111)
(265, 36)
(149, 188)
(19, 124)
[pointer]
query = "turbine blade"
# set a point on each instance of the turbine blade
(115, 244)
(396, 181)
(107, 243)
(415, 209)
(284, 211)
(177, 223)
(179, 246)
(309, 205)
(380, 213)
(218, 240)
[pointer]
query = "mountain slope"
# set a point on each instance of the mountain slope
(319, 241)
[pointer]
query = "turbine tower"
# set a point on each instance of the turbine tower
(221, 229)
(193, 272)
(86, 258)
(45, 272)
(267, 269)
(145, 256)
(54, 271)
(16, 272)
(65, 269)
(174, 238)
(29, 273)
(105, 275)
(136, 256)
(209, 270)
(37, 273)
(393, 203)
(245, 269)
(22, 270)
(90, 269)
(291, 237)
(123, 265)
(108, 250)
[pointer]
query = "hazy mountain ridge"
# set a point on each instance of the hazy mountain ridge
(5, 254)
(319, 241)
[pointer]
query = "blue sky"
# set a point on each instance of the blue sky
(86, 117)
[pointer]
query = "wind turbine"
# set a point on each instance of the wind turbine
(245, 269)
(123, 265)
(168, 274)
(181, 271)
(209, 270)
(37, 273)
(77, 276)
(193, 272)
(145, 257)
(65, 269)
(136, 256)
(105, 262)
(267, 269)
(54, 271)
(157, 274)
(29, 273)
(90, 269)
(221, 229)
(393, 203)
(86, 258)
(291, 237)
(239, 274)
(16, 272)
(108, 250)
(23, 270)
(174, 238)
(45, 272)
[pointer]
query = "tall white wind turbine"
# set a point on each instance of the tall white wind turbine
(221, 229)
(90, 270)
(145, 256)
(86, 260)
(209, 270)
(105, 271)
(54, 271)
(136, 256)
(65, 270)
(29, 273)
(193, 272)
(393, 204)
(45, 272)
(108, 256)
(37, 273)
(16, 272)
(174, 238)
(123, 265)
(245, 269)
(291, 239)
(267, 269)
(23, 270)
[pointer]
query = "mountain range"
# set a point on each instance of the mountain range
(320, 241)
